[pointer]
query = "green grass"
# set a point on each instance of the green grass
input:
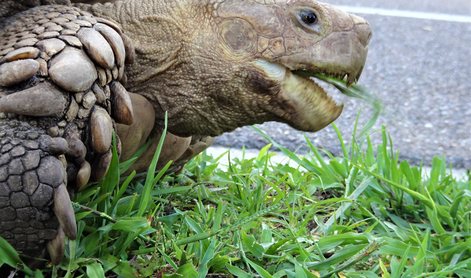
(364, 214)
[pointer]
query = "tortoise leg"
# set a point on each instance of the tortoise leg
(134, 136)
(60, 99)
(38, 169)
(177, 149)
(34, 203)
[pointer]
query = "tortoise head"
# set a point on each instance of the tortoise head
(242, 62)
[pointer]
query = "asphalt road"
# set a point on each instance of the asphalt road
(421, 69)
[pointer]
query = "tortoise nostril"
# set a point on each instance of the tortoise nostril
(364, 32)
(370, 34)
(363, 29)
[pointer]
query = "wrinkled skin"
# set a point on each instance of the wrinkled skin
(212, 66)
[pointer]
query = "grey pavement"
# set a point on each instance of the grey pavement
(421, 69)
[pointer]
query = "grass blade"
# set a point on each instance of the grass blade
(9, 256)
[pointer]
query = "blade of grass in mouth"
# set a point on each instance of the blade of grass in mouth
(360, 93)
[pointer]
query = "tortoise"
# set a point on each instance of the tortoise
(71, 75)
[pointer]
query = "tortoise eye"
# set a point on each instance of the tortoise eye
(308, 17)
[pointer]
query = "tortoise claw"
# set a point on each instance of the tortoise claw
(77, 150)
(197, 145)
(121, 102)
(55, 146)
(101, 166)
(56, 247)
(52, 102)
(101, 128)
(83, 175)
(64, 211)
(17, 71)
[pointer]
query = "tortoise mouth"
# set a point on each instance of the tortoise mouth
(313, 108)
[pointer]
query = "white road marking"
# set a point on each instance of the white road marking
(409, 14)
(216, 151)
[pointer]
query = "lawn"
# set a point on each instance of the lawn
(364, 214)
